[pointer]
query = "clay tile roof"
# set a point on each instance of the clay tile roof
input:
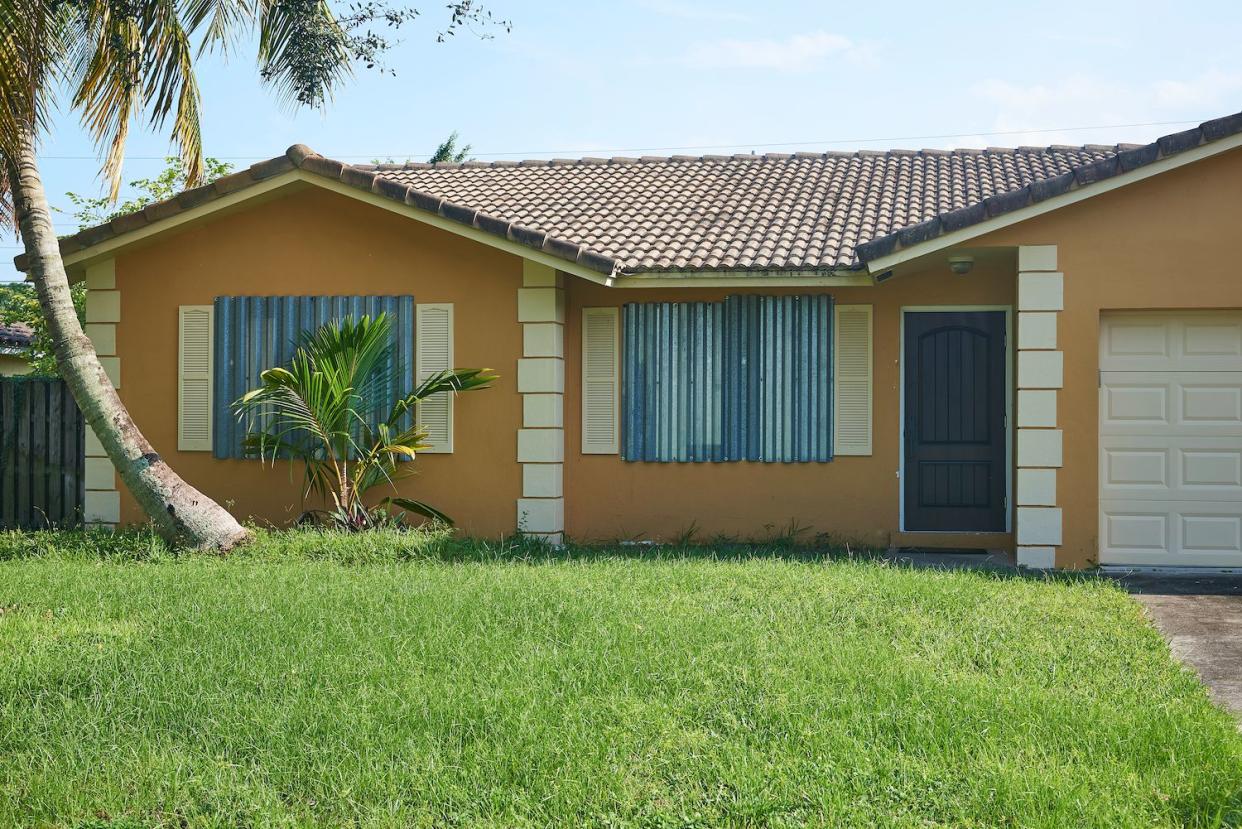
(804, 211)
(739, 212)
(15, 336)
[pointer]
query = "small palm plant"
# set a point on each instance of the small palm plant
(325, 411)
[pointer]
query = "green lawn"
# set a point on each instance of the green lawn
(315, 682)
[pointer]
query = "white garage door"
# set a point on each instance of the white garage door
(1171, 439)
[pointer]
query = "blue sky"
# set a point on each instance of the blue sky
(682, 76)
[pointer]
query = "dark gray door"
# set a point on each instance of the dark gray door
(955, 470)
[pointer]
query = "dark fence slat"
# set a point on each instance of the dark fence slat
(8, 455)
(23, 462)
(39, 471)
(41, 455)
(75, 441)
(55, 449)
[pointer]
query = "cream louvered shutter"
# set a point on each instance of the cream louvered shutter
(852, 375)
(601, 396)
(433, 349)
(194, 337)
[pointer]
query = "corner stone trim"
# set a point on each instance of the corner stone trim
(1041, 298)
(541, 382)
(102, 504)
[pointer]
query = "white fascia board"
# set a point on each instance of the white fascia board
(1074, 196)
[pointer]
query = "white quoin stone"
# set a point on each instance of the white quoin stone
(1041, 292)
(1039, 526)
(1037, 329)
(112, 368)
(1037, 407)
(103, 306)
(1041, 369)
(543, 339)
(541, 375)
(102, 507)
(1037, 487)
(541, 445)
(543, 411)
(99, 473)
(1037, 558)
(541, 305)
(542, 480)
(541, 515)
(101, 275)
(535, 275)
(103, 336)
(1037, 257)
(94, 449)
(1039, 447)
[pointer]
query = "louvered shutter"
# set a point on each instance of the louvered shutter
(852, 386)
(433, 338)
(194, 363)
(600, 375)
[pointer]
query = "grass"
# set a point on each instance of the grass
(394, 681)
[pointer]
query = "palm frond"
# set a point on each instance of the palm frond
(302, 50)
(108, 78)
(419, 508)
(224, 21)
(33, 34)
(172, 88)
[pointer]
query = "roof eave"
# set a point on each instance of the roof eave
(300, 164)
(809, 278)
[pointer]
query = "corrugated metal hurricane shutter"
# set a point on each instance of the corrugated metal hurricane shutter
(673, 383)
(746, 379)
(779, 378)
(255, 333)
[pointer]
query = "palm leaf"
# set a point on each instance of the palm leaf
(322, 410)
(418, 508)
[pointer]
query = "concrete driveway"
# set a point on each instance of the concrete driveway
(1201, 616)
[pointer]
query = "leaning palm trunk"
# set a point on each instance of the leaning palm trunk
(179, 512)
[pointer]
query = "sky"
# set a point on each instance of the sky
(660, 77)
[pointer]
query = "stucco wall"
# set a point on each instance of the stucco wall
(1165, 242)
(12, 365)
(850, 498)
(314, 242)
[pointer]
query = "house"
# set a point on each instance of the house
(1036, 349)
(15, 340)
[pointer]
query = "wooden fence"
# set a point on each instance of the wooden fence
(41, 452)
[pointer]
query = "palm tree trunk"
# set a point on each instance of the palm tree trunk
(179, 512)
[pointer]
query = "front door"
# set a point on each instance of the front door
(955, 464)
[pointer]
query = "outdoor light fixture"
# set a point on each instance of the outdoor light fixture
(961, 265)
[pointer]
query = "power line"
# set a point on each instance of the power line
(766, 144)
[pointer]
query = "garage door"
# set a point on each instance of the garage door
(1171, 439)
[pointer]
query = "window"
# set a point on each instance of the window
(749, 379)
(253, 334)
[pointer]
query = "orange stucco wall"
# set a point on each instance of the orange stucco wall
(314, 242)
(1169, 241)
(849, 499)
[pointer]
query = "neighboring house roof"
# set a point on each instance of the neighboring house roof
(806, 212)
(15, 338)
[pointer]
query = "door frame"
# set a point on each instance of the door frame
(901, 407)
